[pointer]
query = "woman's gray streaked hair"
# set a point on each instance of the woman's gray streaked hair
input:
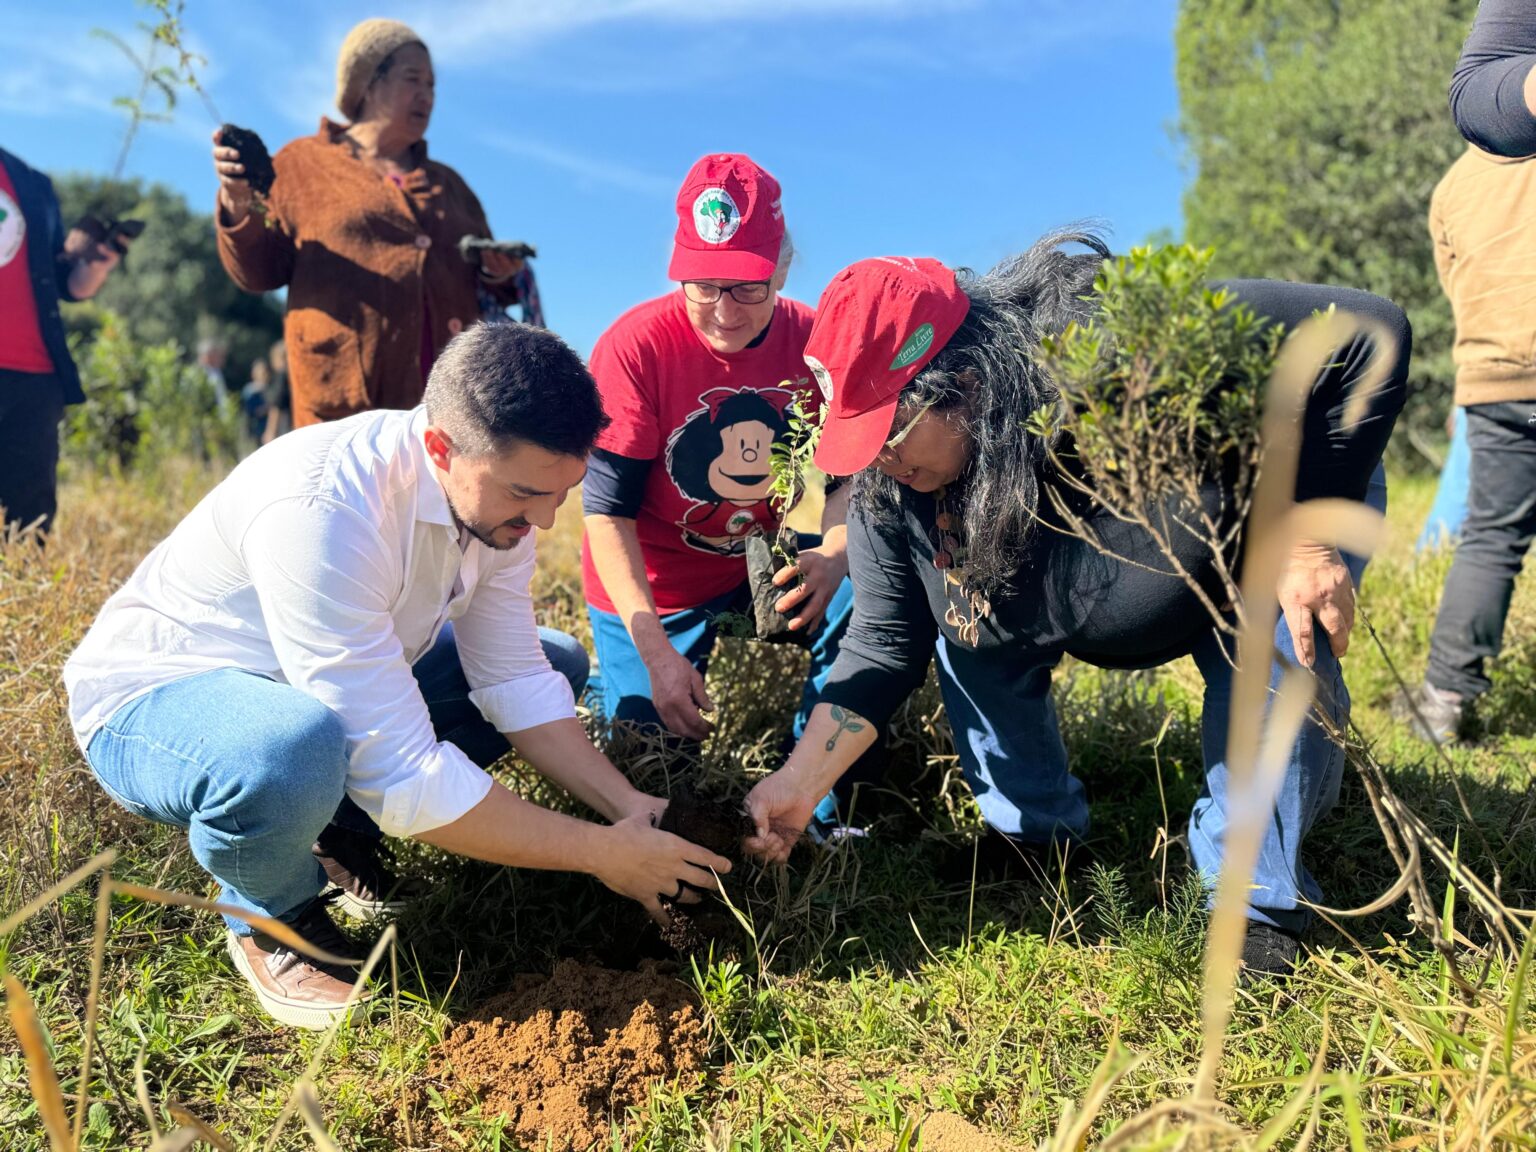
(989, 379)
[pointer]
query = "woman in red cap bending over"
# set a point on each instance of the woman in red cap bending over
(930, 383)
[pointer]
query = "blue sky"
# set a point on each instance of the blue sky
(960, 129)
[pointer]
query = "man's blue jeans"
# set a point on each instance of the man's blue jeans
(620, 689)
(254, 769)
(1013, 758)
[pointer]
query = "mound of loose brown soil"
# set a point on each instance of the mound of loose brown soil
(560, 1056)
(947, 1132)
(719, 828)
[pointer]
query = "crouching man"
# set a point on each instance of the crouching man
(336, 643)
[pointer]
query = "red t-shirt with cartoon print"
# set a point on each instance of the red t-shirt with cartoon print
(708, 422)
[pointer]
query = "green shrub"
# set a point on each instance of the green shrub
(1161, 393)
(144, 404)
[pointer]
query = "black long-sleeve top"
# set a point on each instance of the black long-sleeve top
(1067, 597)
(1488, 88)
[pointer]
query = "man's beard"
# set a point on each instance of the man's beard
(486, 534)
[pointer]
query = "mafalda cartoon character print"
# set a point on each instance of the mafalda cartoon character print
(719, 458)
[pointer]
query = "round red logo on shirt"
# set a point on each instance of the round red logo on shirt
(13, 228)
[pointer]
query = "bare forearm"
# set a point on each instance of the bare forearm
(834, 738)
(620, 564)
(506, 829)
(561, 752)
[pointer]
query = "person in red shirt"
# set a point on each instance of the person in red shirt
(697, 383)
(39, 266)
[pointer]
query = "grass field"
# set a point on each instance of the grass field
(884, 986)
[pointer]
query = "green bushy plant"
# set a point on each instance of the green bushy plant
(144, 404)
(1161, 393)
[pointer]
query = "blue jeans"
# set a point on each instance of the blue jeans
(620, 689)
(254, 769)
(1013, 758)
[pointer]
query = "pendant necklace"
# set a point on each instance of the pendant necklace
(965, 609)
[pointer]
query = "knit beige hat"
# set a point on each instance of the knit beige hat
(365, 48)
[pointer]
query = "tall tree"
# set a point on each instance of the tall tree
(1318, 130)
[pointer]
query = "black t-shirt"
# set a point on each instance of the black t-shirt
(1068, 597)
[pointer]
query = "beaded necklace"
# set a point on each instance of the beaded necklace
(966, 608)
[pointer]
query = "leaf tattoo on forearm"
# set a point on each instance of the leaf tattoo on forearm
(846, 722)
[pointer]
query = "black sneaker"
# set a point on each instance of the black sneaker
(360, 869)
(1431, 713)
(1268, 954)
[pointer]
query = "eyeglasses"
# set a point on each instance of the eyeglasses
(895, 441)
(752, 292)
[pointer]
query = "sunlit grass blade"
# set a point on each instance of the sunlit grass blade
(275, 928)
(385, 943)
(309, 1108)
(40, 1073)
(49, 895)
(204, 1132)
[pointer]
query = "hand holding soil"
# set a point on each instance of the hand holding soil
(818, 575)
(780, 808)
(235, 193)
(677, 689)
(649, 865)
(721, 828)
(496, 265)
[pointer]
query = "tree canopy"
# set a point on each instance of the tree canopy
(1318, 130)
(172, 286)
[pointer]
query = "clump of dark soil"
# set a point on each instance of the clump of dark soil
(719, 828)
(560, 1056)
(259, 172)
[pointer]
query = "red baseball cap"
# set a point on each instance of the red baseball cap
(730, 225)
(877, 326)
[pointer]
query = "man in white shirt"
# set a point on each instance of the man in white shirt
(339, 639)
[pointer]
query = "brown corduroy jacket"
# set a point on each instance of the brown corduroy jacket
(372, 271)
(1483, 220)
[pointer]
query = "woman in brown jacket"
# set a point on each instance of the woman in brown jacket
(362, 228)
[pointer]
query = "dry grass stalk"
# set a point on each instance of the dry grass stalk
(277, 928)
(387, 942)
(177, 1141)
(309, 1108)
(93, 1000)
(1273, 532)
(32, 907)
(40, 1073)
(199, 1130)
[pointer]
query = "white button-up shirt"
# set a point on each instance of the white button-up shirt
(330, 561)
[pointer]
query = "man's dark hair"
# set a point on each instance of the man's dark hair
(499, 383)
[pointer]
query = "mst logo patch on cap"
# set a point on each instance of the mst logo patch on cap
(914, 346)
(823, 377)
(716, 216)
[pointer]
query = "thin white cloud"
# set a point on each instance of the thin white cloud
(463, 32)
(587, 169)
(58, 67)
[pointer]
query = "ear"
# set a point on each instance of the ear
(439, 446)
